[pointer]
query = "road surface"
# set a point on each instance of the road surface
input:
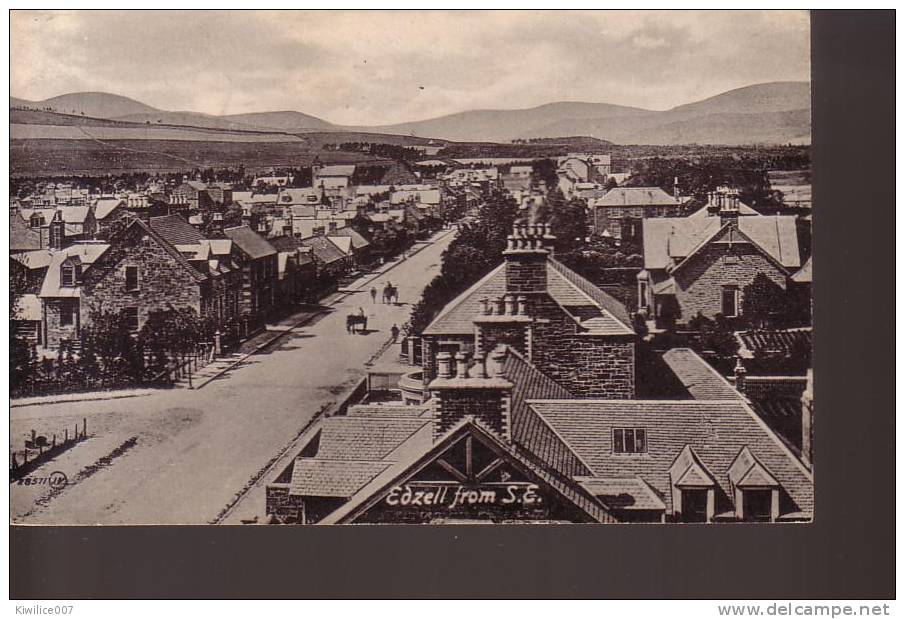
(194, 450)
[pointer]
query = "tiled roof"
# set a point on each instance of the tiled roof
(365, 438)
(697, 376)
(668, 238)
(567, 287)
(176, 230)
(332, 478)
(303, 211)
(629, 493)
(636, 196)
(716, 431)
(250, 242)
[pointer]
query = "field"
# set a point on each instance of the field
(40, 157)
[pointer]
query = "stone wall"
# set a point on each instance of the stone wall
(488, 405)
(54, 330)
(609, 218)
(526, 272)
(699, 283)
(162, 282)
(492, 334)
(588, 366)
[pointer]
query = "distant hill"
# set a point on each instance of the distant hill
(770, 113)
(505, 125)
(96, 104)
(282, 121)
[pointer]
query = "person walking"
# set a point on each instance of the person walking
(373, 294)
(395, 332)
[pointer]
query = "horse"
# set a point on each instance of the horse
(353, 321)
(390, 294)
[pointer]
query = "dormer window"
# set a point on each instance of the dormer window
(629, 440)
(67, 276)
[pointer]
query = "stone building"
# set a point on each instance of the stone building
(142, 272)
(566, 326)
(703, 263)
(500, 441)
(257, 262)
(619, 212)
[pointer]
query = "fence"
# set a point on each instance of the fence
(40, 450)
(184, 367)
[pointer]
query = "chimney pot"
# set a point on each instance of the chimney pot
(499, 357)
(485, 306)
(480, 367)
(510, 304)
(740, 373)
(461, 365)
(444, 365)
(521, 302)
(500, 306)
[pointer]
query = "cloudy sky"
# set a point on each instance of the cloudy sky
(385, 67)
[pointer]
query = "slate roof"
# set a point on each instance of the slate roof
(21, 236)
(780, 341)
(631, 493)
(716, 431)
(87, 254)
(35, 259)
(325, 251)
(697, 376)
(336, 170)
(636, 196)
(332, 478)
(675, 238)
(419, 452)
(343, 242)
(358, 240)
(365, 438)
(105, 206)
(74, 214)
(388, 410)
(176, 230)
(567, 287)
(803, 275)
(250, 242)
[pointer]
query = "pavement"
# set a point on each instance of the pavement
(197, 449)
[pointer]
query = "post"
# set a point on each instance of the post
(84, 427)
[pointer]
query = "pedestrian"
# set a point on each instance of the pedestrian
(373, 294)
(395, 331)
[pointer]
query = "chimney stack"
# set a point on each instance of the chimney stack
(526, 258)
(740, 373)
(807, 421)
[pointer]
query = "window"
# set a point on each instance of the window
(730, 301)
(131, 314)
(694, 505)
(758, 505)
(67, 276)
(629, 440)
(131, 278)
(67, 314)
(642, 294)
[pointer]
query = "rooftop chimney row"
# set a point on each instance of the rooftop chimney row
(506, 305)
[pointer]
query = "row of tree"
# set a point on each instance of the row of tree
(111, 355)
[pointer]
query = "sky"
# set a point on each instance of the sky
(383, 67)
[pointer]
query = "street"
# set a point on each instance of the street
(194, 450)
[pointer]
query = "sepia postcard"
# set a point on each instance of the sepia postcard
(410, 267)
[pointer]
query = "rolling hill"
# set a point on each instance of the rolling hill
(770, 113)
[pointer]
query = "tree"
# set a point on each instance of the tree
(764, 303)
